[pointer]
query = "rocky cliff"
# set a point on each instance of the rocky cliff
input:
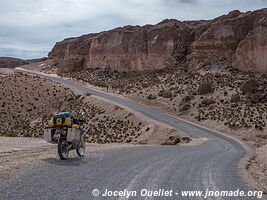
(228, 41)
(252, 50)
(237, 39)
(128, 48)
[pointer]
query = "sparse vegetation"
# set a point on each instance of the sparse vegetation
(28, 101)
(225, 96)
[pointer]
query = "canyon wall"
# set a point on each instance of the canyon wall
(237, 39)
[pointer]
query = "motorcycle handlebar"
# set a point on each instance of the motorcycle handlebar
(82, 121)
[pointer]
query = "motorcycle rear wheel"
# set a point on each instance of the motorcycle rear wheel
(62, 149)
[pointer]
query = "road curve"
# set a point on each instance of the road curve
(209, 166)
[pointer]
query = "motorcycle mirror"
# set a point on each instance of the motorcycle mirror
(81, 114)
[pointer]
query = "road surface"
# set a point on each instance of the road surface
(209, 166)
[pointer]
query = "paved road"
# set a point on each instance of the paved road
(209, 166)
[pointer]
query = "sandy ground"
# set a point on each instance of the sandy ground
(12, 144)
(17, 154)
(43, 66)
(5, 71)
(257, 167)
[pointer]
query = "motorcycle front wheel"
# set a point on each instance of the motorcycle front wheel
(62, 149)
(81, 148)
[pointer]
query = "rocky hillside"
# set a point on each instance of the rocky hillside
(237, 39)
(228, 100)
(27, 101)
(8, 62)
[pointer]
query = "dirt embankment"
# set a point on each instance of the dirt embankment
(28, 100)
(257, 167)
(227, 100)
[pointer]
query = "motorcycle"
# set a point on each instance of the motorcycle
(66, 138)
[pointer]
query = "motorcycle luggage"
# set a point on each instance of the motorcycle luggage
(62, 115)
(60, 119)
(75, 126)
(48, 135)
(73, 135)
(68, 122)
(59, 122)
(51, 123)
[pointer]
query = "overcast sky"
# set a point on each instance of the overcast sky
(30, 28)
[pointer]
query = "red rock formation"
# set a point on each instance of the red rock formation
(219, 43)
(251, 53)
(225, 39)
(126, 49)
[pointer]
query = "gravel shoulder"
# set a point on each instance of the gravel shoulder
(18, 154)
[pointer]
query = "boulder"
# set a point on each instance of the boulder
(206, 102)
(257, 98)
(166, 94)
(249, 87)
(187, 98)
(151, 97)
(184, 107)
(205, 88)
(235, 98)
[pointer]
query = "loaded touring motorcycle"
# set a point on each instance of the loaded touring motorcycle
(67, 132)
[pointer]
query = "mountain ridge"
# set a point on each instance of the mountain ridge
(224, 40)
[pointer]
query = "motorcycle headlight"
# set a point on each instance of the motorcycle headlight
(64, 132)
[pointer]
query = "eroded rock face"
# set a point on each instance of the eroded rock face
(131, 48)
(251, 52)
(71, 64)
(233, 39)
(237, 39)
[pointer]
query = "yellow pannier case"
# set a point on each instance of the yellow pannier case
(51, 123)
(59, 122)
(60, 119)
(68, 122)
(75, 126)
